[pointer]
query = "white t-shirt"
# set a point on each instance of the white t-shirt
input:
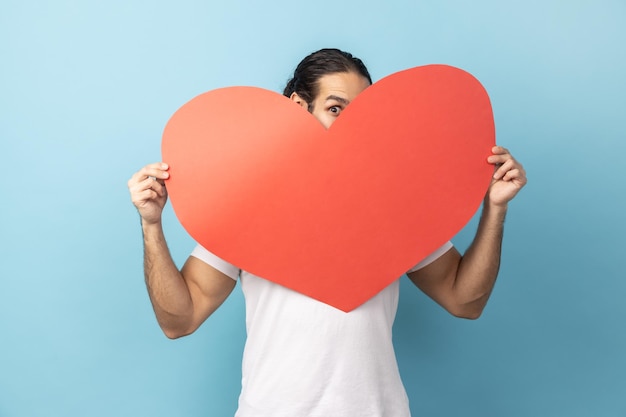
(304, 358)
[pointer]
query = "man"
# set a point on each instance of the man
(303, 357)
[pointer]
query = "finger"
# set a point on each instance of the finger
(154, 184)
(159, 187)
(499, 150)
(502, 169)
(511, 174)
(499, 158)
(141, 197)
(147, 183)
(146, 191)
(159, 172)
(516, 174)
(157, 165)
(156, 170)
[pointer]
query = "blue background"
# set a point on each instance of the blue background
(86, 89)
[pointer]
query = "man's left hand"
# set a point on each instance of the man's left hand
(508, 178)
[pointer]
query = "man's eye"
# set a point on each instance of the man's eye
(335, 109)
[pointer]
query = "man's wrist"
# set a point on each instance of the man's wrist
(494, 210)
(151, 228)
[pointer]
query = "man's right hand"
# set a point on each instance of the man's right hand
(148, 192)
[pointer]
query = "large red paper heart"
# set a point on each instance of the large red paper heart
(335, 214)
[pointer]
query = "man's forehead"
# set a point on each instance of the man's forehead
(334, 97)
(343, 86)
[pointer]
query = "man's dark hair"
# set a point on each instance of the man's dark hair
(318, 64)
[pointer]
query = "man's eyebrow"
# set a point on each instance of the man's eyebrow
(339, 99)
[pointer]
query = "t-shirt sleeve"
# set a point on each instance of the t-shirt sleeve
(221, 265)
(432, 257)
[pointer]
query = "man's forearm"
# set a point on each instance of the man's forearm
(168, 290)
(479, 266)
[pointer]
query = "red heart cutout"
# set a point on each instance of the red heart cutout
(335, 214)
